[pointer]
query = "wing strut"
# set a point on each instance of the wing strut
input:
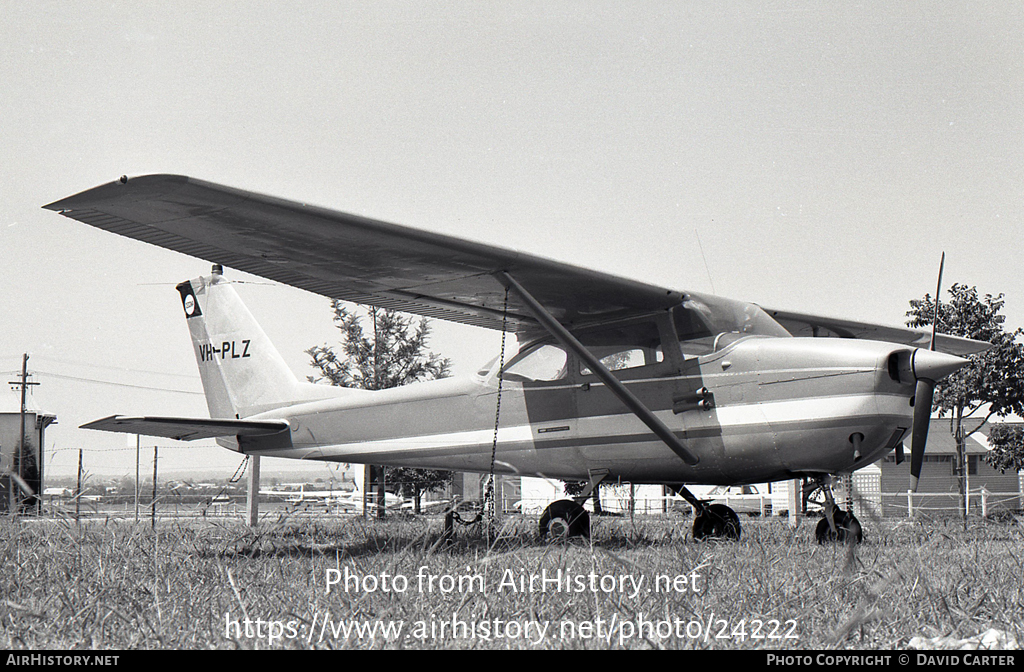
(556, 329)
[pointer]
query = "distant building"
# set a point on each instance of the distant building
(469, 487)
(27, 463)
(937, 490)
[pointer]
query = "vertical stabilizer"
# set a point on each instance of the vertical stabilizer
(243, 374)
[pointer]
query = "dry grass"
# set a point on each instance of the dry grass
(109, 584)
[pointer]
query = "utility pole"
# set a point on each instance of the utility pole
(153, 504)
(20, 449)
(138, 445)
(78, 491)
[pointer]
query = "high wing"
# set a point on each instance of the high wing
(800, 324)
(349, 257)
(367, 261)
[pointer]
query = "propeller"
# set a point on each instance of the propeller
(928, 367)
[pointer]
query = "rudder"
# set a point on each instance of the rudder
(242, 373)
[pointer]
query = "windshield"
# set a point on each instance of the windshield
(703, 318)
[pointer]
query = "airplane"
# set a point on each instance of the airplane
(345, 500)
(614, 379)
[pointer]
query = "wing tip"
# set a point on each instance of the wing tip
(103, 191)
(103, 422)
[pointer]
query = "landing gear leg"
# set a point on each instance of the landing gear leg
(712, 520)
(837, 525)
(596, 477)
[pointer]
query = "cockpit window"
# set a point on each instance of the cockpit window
(695, 337)
(703, 318)
(544, 363)
(724, 315)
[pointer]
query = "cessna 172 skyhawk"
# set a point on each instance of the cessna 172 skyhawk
(615, 378)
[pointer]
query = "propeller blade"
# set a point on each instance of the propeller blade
(928, 366)
(938, 290)
(922, 417)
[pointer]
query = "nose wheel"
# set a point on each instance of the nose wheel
(845, 528)
(837, 525)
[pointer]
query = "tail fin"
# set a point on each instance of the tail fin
(243, 374)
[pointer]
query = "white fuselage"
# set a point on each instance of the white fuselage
(780, 407)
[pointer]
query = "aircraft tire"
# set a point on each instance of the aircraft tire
(718, 521)
(847, 529)
(563, 519)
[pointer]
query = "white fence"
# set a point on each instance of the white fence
(981, 499)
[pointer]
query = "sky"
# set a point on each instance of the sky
(816, 157)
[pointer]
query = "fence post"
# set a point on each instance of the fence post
(793, 501)
(910, 503)
(252, 497)
(984, 502)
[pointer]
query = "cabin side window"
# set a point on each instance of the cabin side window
(544, 363)
(627, 346)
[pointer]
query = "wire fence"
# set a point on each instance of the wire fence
(978, 501)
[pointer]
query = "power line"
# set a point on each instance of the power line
(116, 368)
(125, 449)
(115, 384)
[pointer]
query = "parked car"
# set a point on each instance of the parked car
(741, 499)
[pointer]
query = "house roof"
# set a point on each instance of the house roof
(941, 441)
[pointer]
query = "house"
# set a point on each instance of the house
(937, 491)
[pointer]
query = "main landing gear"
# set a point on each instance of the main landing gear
(836, 525)
(563, 519)
(567, 517)
(713, 521)
(716, 520)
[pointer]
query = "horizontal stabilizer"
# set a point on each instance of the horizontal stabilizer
(188, 429)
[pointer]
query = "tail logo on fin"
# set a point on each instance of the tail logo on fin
(188, 300)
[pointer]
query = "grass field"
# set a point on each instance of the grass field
(642, 584)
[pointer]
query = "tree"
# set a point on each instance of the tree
(393, 353)
(992, 384)
(413, 483)
(574, 488)
(1007, 443)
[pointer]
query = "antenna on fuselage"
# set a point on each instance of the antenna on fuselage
(706, 269)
